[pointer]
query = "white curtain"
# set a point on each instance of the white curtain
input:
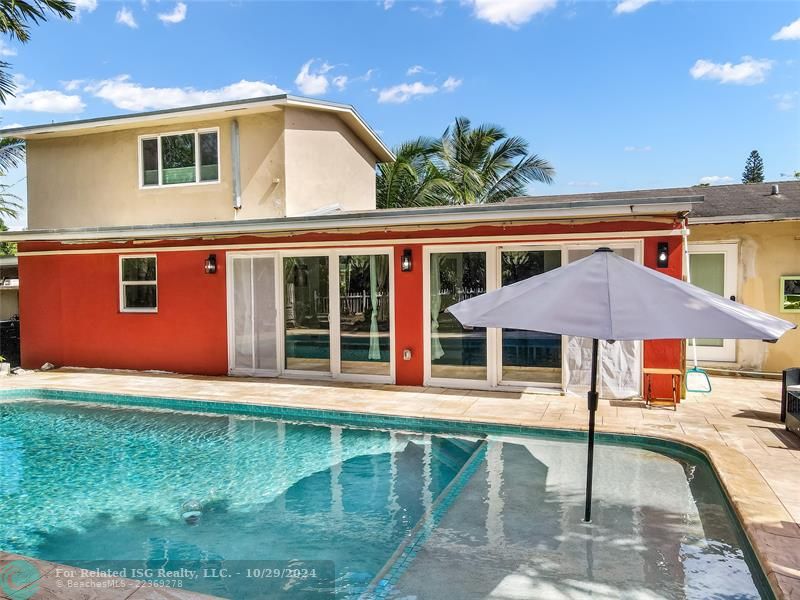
(374, 338)
(436, 305)
(618, 366)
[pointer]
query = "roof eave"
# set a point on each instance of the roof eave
(356, 220)
(353, 118)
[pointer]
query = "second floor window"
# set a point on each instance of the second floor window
(179, 158)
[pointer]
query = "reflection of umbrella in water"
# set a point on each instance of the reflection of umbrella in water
(607, 297)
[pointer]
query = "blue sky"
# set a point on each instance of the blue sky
(617, 95)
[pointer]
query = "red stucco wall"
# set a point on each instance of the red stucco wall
(69, 303)
(69, 314)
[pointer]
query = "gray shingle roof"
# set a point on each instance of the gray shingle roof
(738, 202)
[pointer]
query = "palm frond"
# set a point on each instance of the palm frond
(12, 153)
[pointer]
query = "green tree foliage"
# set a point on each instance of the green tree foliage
(753, 169)
(466, 165)
(7, 248)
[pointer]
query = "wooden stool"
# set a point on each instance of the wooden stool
(648, 384)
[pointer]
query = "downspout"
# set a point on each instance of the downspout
(235, 174)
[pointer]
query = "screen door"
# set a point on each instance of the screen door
(253, 328)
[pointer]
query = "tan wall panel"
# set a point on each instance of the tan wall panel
(326, 164)
(767, 251)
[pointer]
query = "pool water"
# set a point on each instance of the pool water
(378, 513)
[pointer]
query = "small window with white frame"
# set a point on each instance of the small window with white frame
(138, 290)
(183, 158)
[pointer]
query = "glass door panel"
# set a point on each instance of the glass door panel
(242, 314)
(254, 322)
(456, 352)
(713, 267)
(620, 362)
(265, 313)
(364, 318)
(306, 313)
(529, 356)
(708, 272)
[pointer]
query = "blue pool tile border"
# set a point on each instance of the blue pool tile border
(324, 416)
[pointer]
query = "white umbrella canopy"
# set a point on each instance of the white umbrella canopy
(607, 297)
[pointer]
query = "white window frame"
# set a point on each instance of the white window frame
(196, 132)
(123, 283)
(493, 379)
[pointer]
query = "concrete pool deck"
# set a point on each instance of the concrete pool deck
(736, 426)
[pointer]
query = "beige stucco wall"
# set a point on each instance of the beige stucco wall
(326, 164)
(291, 162)
(767, 251)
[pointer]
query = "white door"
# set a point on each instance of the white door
(620, 363)
(252, 315)
(713, 267)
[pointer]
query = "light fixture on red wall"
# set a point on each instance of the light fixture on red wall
(662, 261)
(211, 264)
(405, 261)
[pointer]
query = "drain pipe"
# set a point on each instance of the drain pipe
(235, 174)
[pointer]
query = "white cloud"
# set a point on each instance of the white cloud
(716, 179)
(85, 5)
(177, 15)
(415, 70)
(313, 81)
(6, 50)
(451, 83)
(511, 13)
(789, 32)
(47, 101)
(387, 4)
(340, 81)
(785, 101)
(72, 85)
(748, 72)
(629, 6)
(125, 17)
(129, 95)
(638, 148)
(398, 94)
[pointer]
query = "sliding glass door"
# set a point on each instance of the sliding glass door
(306, 313)
(528, 356)
(364, 314)
(254, 315)
(455, 351)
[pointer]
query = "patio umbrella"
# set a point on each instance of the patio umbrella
(607, 297)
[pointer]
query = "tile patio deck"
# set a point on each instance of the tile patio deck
(736, 425)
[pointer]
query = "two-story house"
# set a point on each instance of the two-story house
(242, 238)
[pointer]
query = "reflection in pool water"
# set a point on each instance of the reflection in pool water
(82, 482)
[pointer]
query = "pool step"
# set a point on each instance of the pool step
(381, 585)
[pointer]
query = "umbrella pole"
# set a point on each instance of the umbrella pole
(587, 515)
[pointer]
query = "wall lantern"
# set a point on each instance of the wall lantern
(211, 264)
(662, 262)
(405, 261)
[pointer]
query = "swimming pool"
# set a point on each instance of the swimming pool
(420, 510)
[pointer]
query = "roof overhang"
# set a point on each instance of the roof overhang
(720, 220)
(206, 111)
(461, 215)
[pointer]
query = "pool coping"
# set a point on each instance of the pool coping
(773, 536)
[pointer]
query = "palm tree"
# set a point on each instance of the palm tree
(412, 179)
(16, 17)
(484, 165)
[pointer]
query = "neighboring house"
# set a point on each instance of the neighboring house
(744, 243)
(9, 310)
(242, 238)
